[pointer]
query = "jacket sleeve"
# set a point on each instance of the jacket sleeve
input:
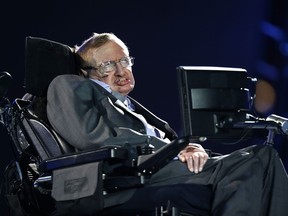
(72, 111)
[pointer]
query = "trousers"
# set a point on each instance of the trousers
(247, 182)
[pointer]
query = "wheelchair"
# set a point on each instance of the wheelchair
(46, 168)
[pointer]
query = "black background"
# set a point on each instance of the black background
(161, 35)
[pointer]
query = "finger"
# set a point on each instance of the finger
(181, 158)
(203, 160)
(196, 162)
(190, 163)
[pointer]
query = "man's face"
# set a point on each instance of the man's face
(119, 79)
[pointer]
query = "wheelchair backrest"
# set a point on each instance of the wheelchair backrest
(44, 60)
(33, 135)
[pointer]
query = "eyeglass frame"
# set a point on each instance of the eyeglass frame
(101, 66)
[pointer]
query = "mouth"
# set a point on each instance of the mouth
(122, 81)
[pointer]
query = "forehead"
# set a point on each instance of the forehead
(110, 51)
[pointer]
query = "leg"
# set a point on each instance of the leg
(251, 181)
(189, 199)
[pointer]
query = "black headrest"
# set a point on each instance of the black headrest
(44, 60)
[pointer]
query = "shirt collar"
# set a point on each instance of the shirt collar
(103, 84)
(122, 98)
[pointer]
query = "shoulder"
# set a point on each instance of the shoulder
(70, 84)
(68, 81)
(67, 78)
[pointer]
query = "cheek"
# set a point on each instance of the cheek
(132, 80)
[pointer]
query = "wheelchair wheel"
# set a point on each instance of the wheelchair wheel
(19, 193)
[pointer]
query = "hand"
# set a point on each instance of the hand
(195, 156)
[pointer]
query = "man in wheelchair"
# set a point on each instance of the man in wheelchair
(91, 113)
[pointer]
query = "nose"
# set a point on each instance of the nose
(119, 69)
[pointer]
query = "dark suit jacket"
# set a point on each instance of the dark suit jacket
(87, 116)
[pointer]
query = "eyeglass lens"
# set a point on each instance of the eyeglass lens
(110, 66)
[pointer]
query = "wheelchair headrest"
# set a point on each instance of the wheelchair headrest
(44, 60)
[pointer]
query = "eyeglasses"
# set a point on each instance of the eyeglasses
(110, 66)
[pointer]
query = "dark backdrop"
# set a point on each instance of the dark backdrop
(161, 35)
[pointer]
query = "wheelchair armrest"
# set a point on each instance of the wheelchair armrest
(151, 163)
(83, 157)
(111, 183)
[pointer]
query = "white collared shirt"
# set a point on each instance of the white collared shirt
(150, 130)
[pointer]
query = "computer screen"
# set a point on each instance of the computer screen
(212, 99)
